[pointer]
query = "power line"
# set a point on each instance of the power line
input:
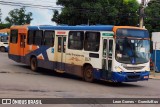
(30, 5)
(29, 1)
(46, 1)
(25, 4)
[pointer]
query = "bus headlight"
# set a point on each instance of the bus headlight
(119, 69)
(147, 69)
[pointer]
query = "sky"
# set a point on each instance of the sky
(40, 16)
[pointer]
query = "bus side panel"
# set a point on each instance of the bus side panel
(16, 51)
(44, 55)
(29, 52)
(46, 58)
(74, 62)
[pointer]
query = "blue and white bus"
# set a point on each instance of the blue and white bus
(4, 42)
(90, 52)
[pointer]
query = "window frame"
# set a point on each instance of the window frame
(34, 38)
(16, 36)
(91, 42)
(28, 37)
(53, 38)
(82, 36)
(2, 38)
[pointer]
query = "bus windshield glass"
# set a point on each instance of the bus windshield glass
(132, 33)
(4, 38)
(132, 50)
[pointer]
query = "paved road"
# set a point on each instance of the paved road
(18, 81)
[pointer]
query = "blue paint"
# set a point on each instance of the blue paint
(33, 28)
(15, 57)
(3, 34)
(129, 77)
(97, 74)
(7, 48)
(121, 77)
(41, 50)
(96, 28)
(157, 59)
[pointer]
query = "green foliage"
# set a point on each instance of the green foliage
(19, 17)
(116, 12)
(152, 19)
(129, 13)
(7, 25)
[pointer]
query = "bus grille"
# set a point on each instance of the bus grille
(133, 68)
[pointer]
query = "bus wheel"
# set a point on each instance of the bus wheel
(88, 74)
(2, 49)
(33, 64)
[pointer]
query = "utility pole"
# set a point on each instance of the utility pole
(141, 21)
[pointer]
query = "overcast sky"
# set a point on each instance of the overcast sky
(40, 16)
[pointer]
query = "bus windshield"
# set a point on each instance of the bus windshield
(4, 38)
(132, 33)
(132, 47)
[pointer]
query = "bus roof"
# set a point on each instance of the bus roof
(49, 27)
(129, 27)
(78, 27)
(6, 30)
(3, 34)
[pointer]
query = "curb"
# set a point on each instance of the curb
(154, 77)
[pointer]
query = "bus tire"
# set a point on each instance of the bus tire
(2, 49)
(88, 73)
(34, 64)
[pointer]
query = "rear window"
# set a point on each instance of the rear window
(14, 36)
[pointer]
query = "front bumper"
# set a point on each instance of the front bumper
(129, 76)
(7, 48)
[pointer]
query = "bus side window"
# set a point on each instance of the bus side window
(38, 37)
(49, 38)
(14, 36)
(105, 48)
(92, 41)
(75, 40)
(110, 48)
(30, 37)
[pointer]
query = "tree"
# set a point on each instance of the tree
(152, 16)
(6, 25)
(19, 17)
(116, 12)
(128, 13)
(55, 17)
(2, 25)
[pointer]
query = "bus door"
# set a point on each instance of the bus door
(61, 48)
(22, 45)
(107, 57)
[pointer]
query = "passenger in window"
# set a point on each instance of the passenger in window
(127, 49)
(71, 44)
